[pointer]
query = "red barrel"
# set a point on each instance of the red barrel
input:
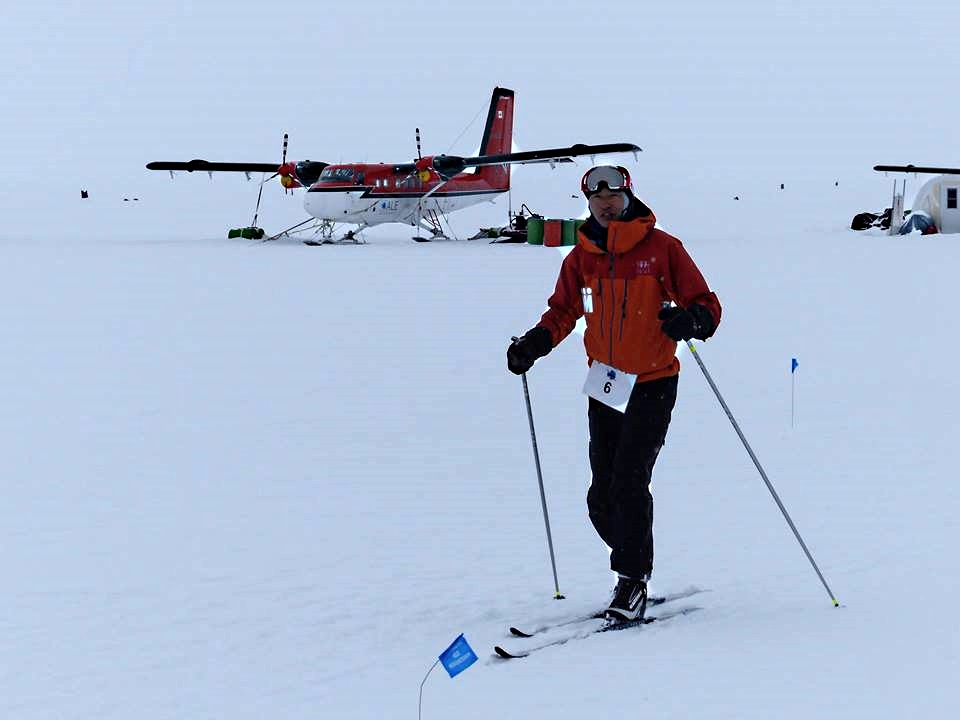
(553, 233)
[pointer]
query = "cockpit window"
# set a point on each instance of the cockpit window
(336, 175)
(308, 171)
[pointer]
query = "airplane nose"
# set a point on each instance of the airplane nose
(330, 205)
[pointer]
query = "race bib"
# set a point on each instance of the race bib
(609, 385)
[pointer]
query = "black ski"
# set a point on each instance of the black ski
(652, 601)
(599, 626)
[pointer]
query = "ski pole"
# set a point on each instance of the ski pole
(756, 462)
(543, 497)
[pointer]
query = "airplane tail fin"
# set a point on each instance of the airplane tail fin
(498, 137)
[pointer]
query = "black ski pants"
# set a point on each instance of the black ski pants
(623, 448)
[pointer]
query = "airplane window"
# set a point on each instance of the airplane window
(338, 175)
(308, 171)
(951, 198)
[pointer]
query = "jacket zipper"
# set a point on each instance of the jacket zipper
(613, 286)
(600, 293)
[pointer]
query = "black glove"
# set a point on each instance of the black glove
(524, 351)
(683, 324)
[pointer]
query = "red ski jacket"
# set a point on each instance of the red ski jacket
(621, 291)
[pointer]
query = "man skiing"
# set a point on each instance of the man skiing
(641, 293)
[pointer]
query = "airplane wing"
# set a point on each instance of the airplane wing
(206, 166)
(917, 169)
(551, 155)
(449, 165)
(549, 160)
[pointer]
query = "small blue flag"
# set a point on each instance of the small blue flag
(793, 365)
(458, 657)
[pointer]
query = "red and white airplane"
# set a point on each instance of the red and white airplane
(415, 193)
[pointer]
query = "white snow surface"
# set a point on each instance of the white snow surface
(248, 481)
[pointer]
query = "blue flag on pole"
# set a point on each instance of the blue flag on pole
(793, 365)
(458, 657)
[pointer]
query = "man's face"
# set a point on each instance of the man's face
(606, 206)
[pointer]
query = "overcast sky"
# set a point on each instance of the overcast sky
(710, 91)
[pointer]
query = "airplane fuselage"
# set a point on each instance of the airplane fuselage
(368, 194)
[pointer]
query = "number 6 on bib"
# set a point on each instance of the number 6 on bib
(609, 385)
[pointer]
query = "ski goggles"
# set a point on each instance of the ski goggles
(614, 177)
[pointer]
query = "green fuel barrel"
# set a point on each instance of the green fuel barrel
(535, 231)
(568, 233)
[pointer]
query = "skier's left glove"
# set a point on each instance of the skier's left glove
(686, 323)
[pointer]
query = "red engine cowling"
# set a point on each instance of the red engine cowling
(288, 175)
(426, 172)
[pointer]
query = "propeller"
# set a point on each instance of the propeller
(286, 171)
(283, 162)
(296, 174)
(422, 167)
